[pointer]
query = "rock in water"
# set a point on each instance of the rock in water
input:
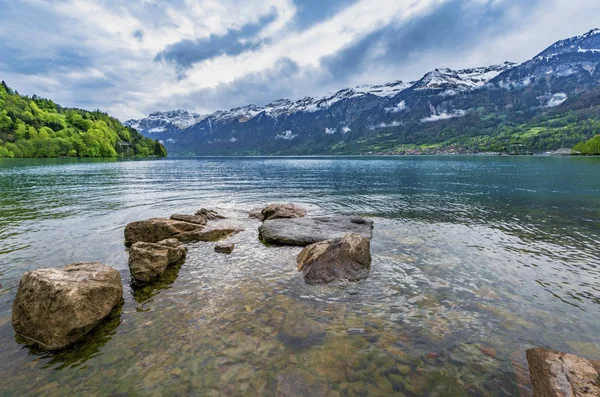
(208, 235)
(282, 211)
(157, 229)
(55, 307)
(346, 258)
(210, 215)
(224, 248)
(197, 219)
(564, 375)
(305, 231)
(256, 213)
(148, 261)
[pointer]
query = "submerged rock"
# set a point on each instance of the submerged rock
(560, 374)
(346, 258)
(306, 231)
(197, 219)
(56, 307)
(148, 261)
(224, 248)
(282, 211)
(157, 229)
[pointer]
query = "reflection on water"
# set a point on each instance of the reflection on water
(474, 260)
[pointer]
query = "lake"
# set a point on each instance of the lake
(475, 259)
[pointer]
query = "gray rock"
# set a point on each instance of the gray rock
(256, 213)
(148, 261)
(56, 307)
(208, 235)
(306, 231)
(347, 258)
(224, 248)
(560, 374)
(282, 211)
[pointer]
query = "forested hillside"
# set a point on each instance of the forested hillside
(38, 127)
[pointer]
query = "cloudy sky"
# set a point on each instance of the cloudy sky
(132, 57)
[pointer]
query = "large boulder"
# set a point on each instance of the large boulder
(148, 261)
(563, 375)
(56, 307)
(282, 211)
(347, 258)
(157, 229)
(306, 231)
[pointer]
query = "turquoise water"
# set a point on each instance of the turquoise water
(475, 259)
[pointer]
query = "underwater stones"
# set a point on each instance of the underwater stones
(560, 374)
(157, 229)
(148, 261)
(197, 219)
(299, 383)
(347, 258)
(224, 248)
(56, 307)
(282, 211)
(306, 231)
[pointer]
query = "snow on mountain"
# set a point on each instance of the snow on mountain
(165, 121)
(456, 81)
(589, 42)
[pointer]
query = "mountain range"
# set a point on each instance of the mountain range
(547, 102)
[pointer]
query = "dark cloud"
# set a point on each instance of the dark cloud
(185, 53)
(454, 27)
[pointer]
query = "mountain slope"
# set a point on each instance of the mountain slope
(442, 108)
(37, 127)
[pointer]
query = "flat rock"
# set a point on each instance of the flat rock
(564, 375)
(256, 213)
(282, 211)
(208, 235)
(148, 261)
(306, 231)
(56, 307)
(224, 248)
(346, 258)
(157, 229)
(197, 219)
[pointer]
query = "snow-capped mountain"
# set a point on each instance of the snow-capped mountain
(165, 121)
(574, 56)
(390, 114)
(456, 81)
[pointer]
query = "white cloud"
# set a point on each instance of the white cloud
(330, 131)
(397, 109)
(287, 135)
(443, 116)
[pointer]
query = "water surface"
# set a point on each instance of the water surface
(475, 259)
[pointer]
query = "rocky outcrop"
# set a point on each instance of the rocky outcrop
(197, 219)
(157, 229)
(562, 375)
(56, 307)
(282, 211)
(306, 231)
(224, 248)
(148, 261)
(347, 258)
